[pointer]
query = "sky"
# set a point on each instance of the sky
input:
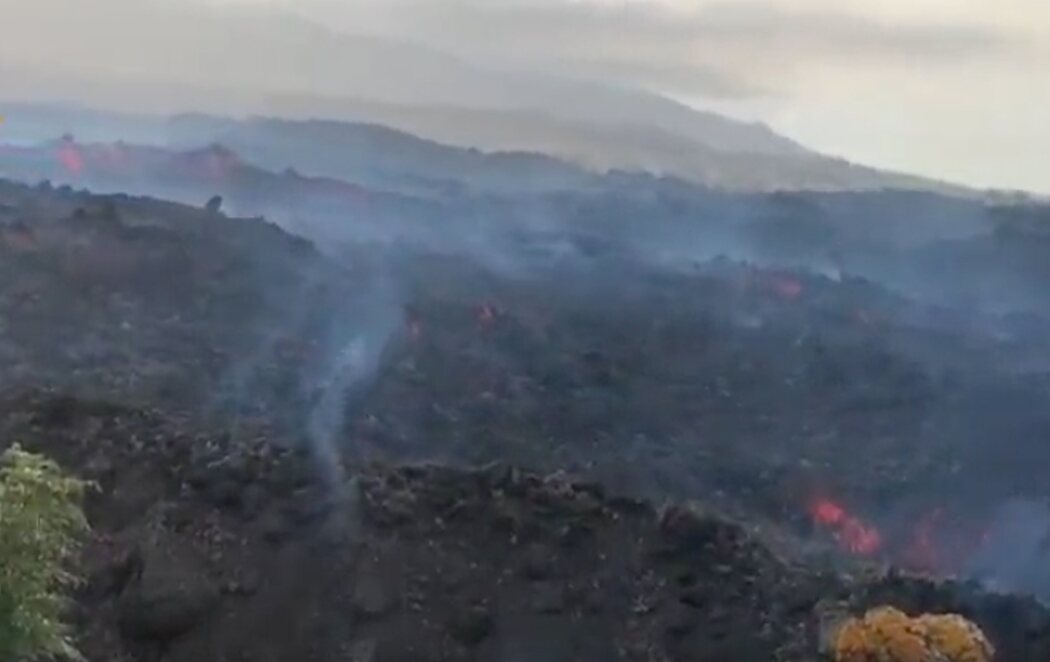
(952, 89)
(956, 89)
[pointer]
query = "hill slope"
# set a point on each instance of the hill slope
(283, 66)
(245, 401)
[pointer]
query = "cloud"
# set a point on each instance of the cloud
(722, 49)
(832, 32)
(666, 78)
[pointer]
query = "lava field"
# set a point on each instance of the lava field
(393, 449)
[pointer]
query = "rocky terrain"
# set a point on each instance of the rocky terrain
(209, 550)
(384, 453)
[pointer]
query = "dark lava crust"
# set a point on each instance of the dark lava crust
(171, 354)
(205, 549)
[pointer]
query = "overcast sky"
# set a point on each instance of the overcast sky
(956, 89)
(951, 88)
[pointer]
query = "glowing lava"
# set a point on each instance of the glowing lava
(71, 158)
(852, 534)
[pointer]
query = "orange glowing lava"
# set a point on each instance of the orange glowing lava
(852, 534)
(71, 158)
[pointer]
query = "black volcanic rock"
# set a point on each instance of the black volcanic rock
(282, 437)
(170, 597)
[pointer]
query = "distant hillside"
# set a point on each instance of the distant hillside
(490, 148)
(188, 45)
(167, 54)
(602, 147)
(375, 155)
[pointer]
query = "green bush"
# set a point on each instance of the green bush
(41, 527)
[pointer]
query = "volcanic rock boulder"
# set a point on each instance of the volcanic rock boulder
(214, 204)
(375, 594)
(170, 597)
(470, 625)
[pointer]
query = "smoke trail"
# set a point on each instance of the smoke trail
(358, 338)
(235, 386)
(1016, 554)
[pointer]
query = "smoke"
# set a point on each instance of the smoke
(339, 327)
(1015, 555)
(357, 341)
(243, 388)
(856, 313)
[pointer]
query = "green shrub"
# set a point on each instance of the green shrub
(41, 527)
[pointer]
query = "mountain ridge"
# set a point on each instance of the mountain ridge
(402, 85)
(458, 131)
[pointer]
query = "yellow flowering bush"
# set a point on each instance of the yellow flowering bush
(889, 635)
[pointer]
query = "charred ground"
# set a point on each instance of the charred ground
(192, 364)
(210, 549)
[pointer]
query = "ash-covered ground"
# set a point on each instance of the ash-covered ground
(849, 403)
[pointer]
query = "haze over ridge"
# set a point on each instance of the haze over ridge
(754, 60)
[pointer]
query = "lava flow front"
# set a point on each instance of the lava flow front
(851, 533)
(71, 158)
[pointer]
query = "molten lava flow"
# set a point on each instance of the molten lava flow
(945, 541)
(71, 158)
(827, 512)
(852, 534)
